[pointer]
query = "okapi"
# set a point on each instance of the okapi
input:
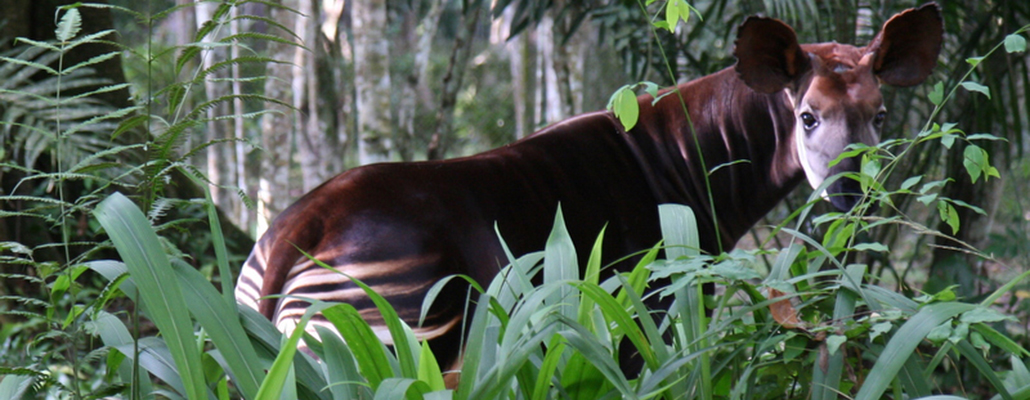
(787, 108)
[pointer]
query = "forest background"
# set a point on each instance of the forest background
(412, 80)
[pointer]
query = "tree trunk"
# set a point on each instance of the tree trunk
(372, 78)
(336, 92)
(240, 172)
(312, 143)
(452, 80)
(219, 168)
(522, 54)
(277, 127)
(417, 40)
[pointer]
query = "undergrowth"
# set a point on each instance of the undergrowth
(810, 326)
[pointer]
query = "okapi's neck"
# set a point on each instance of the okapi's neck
(732, 123)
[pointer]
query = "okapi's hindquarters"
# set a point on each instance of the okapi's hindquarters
(380, 253)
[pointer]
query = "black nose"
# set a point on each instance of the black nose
(845, 193)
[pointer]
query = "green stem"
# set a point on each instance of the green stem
(693, 133)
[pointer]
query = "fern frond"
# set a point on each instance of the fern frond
(109, 292)
(68, 176)
(159, 209)
(273, 4)
(27, 301)
(33, 199)
(114, 115)
(24, 314)
(100, 90)
(16, 74)
(69, 26)
(138, 16)
(38, 44)
(161, 15)
(210, 25)
(91, 38)
(180, 225)
(88, 161)
(24, 277)
(130, 123)
(250, 116)
(16, 248)
(94, 60)
(188, 53)
(263, 37)
(96, 356)
(249, 79)
(236, 61)
(29, 64)
(20, 95)
(172, 138)
(247, 201)
(269, 21)
(195, 150)
(52, 245)
(80, 112)
(203, 107)
(25, 214)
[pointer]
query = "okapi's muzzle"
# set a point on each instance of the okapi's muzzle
(846, 193)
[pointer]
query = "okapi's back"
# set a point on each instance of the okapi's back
(401, 227)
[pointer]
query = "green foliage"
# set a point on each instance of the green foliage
(813, 327)
(67, 150)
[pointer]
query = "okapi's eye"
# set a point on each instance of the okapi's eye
(879, 118)
(809, 120)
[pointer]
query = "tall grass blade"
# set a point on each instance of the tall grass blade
(560, 264)
(142, 253)
(903, 343)
(679, 230)
(473, 349)
(826, 383)
(217, 242)
(592, 350)
(223, 327)
(972, 354)
(341, 367)
(591, 275)
(281, 371)
(397, 388)
(15, 386)
(429, 369)
(547, 370)
(113, 333)
(267, 340)
(362, 341)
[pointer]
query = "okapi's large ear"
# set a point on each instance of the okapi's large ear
(769, 57)
(907, 46)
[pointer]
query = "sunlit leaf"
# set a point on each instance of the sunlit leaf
(1015, 43)
(833, 342)
(976, 87)
(936, 96)
(910, 182)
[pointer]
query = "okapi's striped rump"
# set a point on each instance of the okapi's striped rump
(277, 268)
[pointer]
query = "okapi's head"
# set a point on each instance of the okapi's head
(835, 88)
